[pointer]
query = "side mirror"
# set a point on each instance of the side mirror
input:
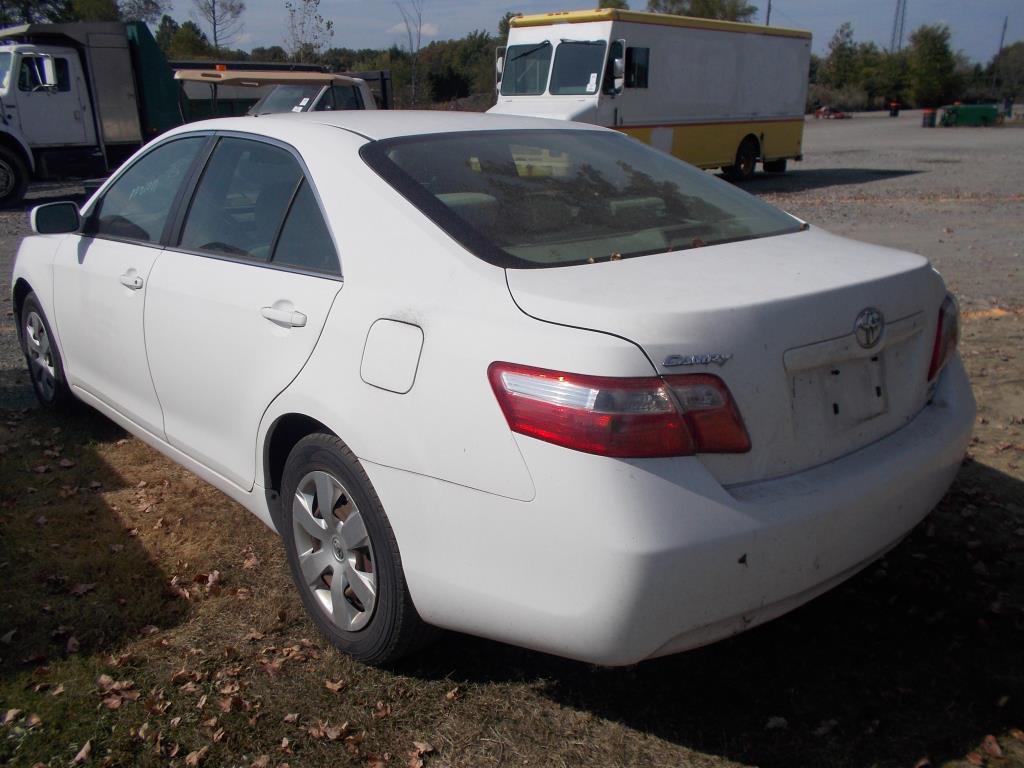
(48, 71)
(55, 218)
(499, 66)
(619, 74)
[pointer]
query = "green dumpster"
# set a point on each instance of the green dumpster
(970, 114)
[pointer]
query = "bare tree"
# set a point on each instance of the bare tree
(412, 19)
(223, 17)
(308, 31)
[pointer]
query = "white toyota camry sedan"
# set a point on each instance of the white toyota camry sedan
(518, 378)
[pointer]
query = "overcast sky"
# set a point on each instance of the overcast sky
(376, 23)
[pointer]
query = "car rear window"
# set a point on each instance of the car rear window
(549, 198)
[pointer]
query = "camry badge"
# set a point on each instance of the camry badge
(868, 327)
(707, 358)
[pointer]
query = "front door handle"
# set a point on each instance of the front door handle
(289, 318)
(131, 281)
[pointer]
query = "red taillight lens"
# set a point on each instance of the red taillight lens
(626, 418)
(947, 336)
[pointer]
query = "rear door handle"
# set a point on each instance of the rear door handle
(131, 281)
(287, 317)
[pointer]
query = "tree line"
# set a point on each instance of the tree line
(460, 72)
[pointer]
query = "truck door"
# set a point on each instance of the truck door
(52, 116)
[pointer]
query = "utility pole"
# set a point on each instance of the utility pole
(898, 22)
(768, 16)
(999, 53)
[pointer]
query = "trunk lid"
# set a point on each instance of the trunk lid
(779, 313)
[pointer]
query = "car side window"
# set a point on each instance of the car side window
(137, 204)
(241, 200)
(29, 74)
(305, 241)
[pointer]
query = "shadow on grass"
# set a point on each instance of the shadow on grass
(819, 178)
(919, 655)
(74, 579)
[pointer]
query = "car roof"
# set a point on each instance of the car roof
(377, 124)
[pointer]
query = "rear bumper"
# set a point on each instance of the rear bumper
(616, 561)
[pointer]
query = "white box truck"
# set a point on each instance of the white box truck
(717, 94)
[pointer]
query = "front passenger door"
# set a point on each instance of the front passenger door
(101, 281)
(237, 304)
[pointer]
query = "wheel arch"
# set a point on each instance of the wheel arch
(17, 144)
(19, 292)
(754, 138)
(282, 435)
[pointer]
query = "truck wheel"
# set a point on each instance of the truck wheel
(775, 166)
(13, 178)
(746, 161)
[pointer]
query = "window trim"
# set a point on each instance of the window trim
(171, 237)
(88, 215)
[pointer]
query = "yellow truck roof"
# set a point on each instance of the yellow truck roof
(661, 19)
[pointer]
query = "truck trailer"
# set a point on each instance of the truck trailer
(717, 94)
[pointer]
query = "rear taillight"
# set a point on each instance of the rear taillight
(947, 336)
(622, 417)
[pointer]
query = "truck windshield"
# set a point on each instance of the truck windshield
(5, 69)
(287, 98)
(578, 65)
(526, 69)
(551, 198)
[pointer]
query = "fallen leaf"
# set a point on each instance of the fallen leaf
(83, 753)
(453, 694)
(291, 717)
(335, 687)
(67, 463)
(218, 736)
(8, 637)
(72, 645)
(924, 762)
(33, 721)
(80, 589)
(254, 636)
(260, 762)
(825, 727)
(250, 562)
(1017, 733)
(58, 690)
(11, 715)
(991, 746)
(285, 746)
(193, 759)
(975, 759)
(381, 710)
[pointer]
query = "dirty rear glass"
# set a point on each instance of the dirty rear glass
(525, 72)
(550, 198)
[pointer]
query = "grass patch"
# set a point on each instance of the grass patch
(145, 614)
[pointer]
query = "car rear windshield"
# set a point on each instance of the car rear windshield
(550, 198)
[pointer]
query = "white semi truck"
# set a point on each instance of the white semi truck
(717, 94)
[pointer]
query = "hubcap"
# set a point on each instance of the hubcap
(334, 549)
(40, 355)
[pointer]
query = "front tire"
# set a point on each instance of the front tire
(45, 367)
(13, 178)
(343, 554)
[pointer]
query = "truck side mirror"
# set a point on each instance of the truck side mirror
(55, 218)
(48, 71)
(615, 77)
(499, 66)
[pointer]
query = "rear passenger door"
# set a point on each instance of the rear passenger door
(238, 300)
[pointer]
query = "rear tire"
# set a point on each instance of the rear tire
(774, 166)
(343, 554)
(13, 178)
(746, 161)
(45, 367)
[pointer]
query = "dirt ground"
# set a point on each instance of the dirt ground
(145, 619)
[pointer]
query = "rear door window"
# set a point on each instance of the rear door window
(240, 203)
(136, 205)
(305, 241)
